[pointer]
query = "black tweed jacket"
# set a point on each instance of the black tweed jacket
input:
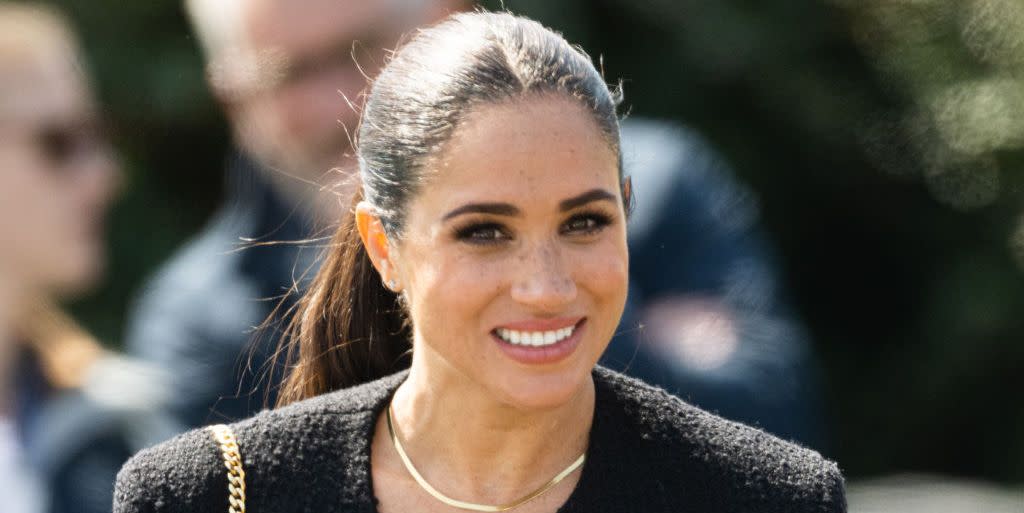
(649, 452)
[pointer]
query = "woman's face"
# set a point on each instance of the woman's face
(513, 257)
(57, 178)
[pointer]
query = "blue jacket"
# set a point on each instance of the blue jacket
(695, 238)
(200, 315)
(76, 439)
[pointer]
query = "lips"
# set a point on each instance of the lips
(539, 341)
(534, 338)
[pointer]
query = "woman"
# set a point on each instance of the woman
(57, 180)
(488, 242)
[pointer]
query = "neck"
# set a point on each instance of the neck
(463, 441)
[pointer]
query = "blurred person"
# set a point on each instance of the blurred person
(289, 75)
(71, 409)
(709, 318)
(63, 406)
(504, 298)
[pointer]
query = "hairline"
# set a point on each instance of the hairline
(436, 158)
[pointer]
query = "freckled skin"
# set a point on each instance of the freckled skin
(532, 154)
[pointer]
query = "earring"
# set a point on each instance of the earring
(392, 285)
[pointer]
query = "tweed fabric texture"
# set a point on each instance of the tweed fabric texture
(649, 451)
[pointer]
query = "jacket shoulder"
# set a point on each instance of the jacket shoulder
(738, 467)
(183, 474)
(295, 458)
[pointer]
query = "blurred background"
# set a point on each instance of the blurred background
(884, 140)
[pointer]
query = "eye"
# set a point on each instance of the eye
(482, 233)
(586, 223)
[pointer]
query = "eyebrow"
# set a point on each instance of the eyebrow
(507, 209)
(586, 197)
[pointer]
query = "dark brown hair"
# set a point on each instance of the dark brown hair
(348, 328)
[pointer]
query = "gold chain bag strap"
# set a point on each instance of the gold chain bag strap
(225, 437)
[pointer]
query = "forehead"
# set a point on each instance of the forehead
(305, 25)
(49, 86)
(535, 150)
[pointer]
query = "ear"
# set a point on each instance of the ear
(627, 195)
(375, 240)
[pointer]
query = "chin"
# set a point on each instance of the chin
(81, 278)
(542, 391)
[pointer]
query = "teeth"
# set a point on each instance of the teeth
(535, 338)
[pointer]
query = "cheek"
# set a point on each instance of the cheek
(602, 274)
(40, 227)
(450, 293)
(29, 204)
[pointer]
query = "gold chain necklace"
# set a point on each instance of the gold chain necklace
(469, 505)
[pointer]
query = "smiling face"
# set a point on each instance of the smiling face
(513, 255)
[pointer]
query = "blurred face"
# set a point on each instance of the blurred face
(313, 55)
(513, 257)
(57, 178)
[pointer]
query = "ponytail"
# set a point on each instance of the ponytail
(347, 328)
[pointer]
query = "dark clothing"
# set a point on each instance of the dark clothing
(695, 234)
(195, 321)
(32, 392)
(648, 451)
(74, 442)
(199, 316)
(78, 453)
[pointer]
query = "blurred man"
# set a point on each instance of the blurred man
(289, 74)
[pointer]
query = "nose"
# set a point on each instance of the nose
(99, 179)
(544, 280)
